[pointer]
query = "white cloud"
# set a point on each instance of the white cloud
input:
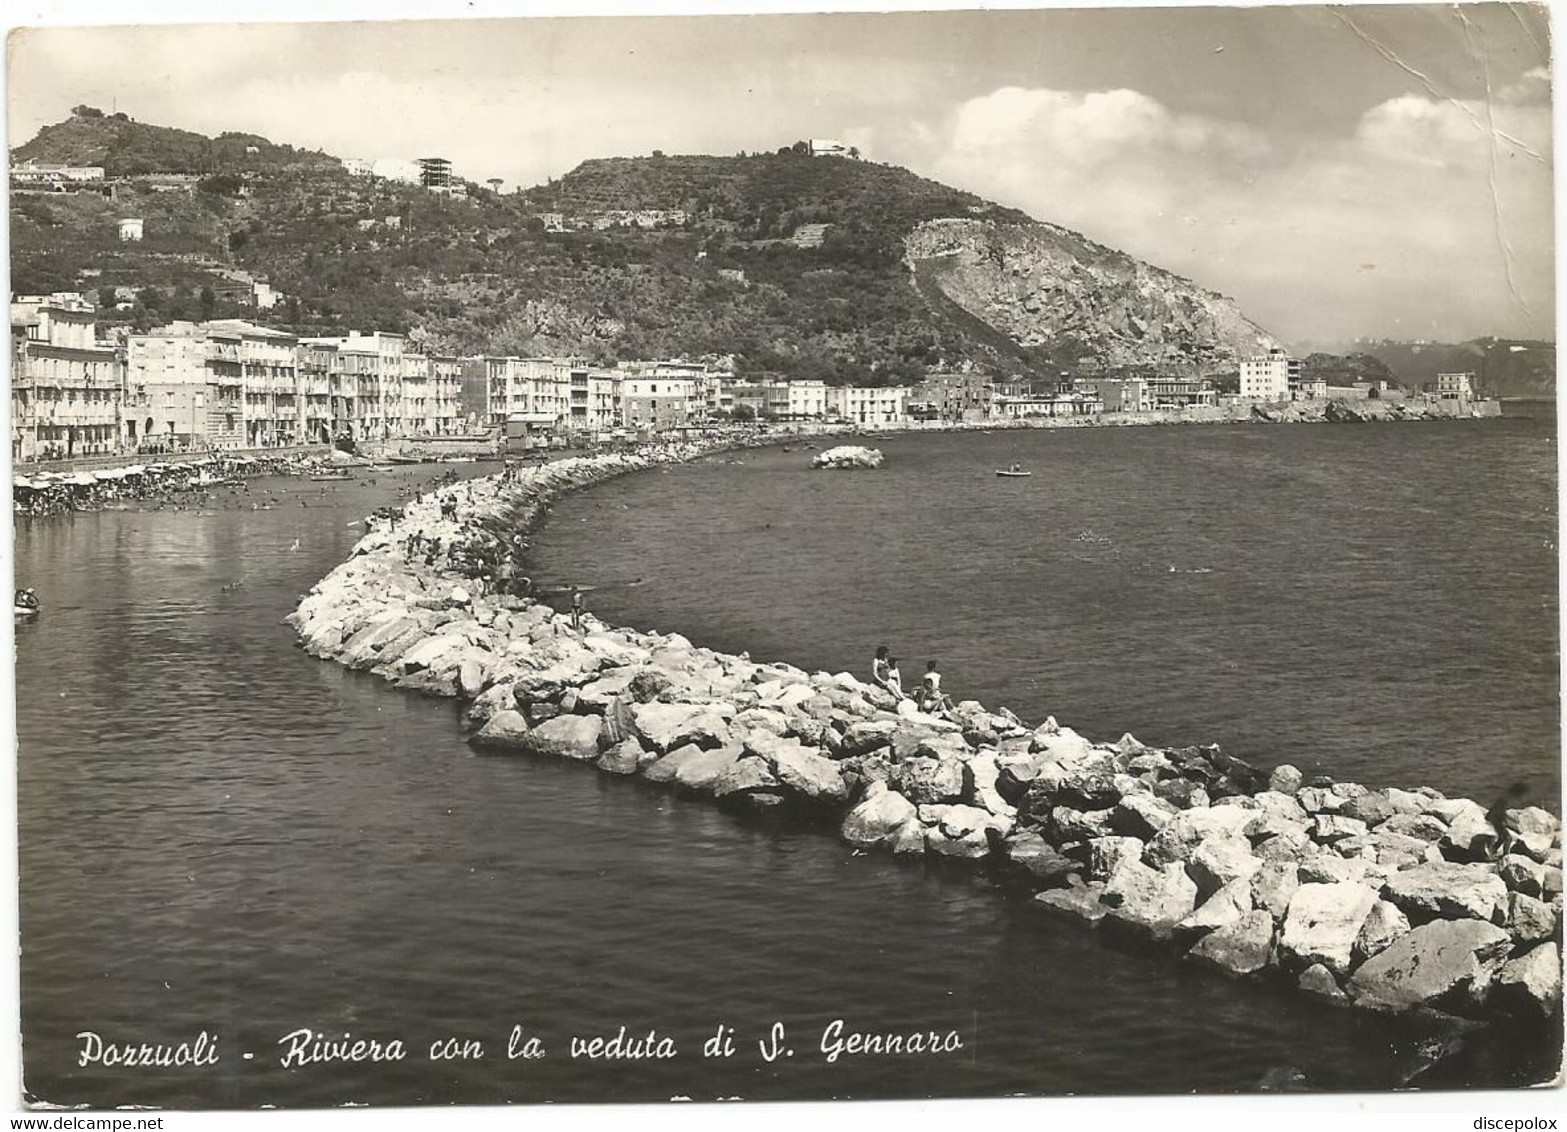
(1431, 216)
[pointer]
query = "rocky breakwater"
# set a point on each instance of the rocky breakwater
(849, 456)
(1386, 899)
(1362, 410)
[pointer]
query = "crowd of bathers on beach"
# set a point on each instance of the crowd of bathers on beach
(928, 696)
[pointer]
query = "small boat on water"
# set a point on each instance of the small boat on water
(25, 603)
(26, 610)
(330, 477)
(1012, 473)
(406, 459)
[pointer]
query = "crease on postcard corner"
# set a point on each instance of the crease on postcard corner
(1485, 123)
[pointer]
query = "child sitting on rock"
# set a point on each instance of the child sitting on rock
(930, 697)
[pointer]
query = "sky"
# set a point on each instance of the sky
(1351, 172)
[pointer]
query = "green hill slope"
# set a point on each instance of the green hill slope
(125, 148)
(803, 266)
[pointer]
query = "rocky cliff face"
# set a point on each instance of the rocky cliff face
(1053, 290)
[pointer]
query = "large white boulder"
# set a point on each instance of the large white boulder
(849, 456)
(1323, 922)
(878, 816)
(1150, 900)
(668, 726)
(567, 736)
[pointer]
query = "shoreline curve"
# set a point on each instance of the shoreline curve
(1390, 900)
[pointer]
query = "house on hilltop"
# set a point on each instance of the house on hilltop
(831, 147)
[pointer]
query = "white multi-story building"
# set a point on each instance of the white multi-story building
(869, 405)
(66, 387)
(446, 394)
(1455, 386)
(418, 418)
(372, 367)
(1268, 377)
(807, 400)
(532, 397)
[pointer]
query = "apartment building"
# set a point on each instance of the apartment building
(764, 398)
(66, 387)
(273, 408)
(1455, 386)
(1185, 392)
(184, 388)
(1267, 377)
(328, 395)
(807, 400)
(418, 416)
(869, 405)
(658, 402)
(446, 379)
(532, 398)
(372, 378)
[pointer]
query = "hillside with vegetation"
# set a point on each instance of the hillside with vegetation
(797, 265)
(125, 147)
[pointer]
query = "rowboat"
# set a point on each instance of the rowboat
(1011, 474)
(330, 477)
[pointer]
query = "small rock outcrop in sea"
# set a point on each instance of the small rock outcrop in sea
(1384, 899)
(849, 456)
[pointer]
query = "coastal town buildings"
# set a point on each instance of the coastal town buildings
(38, 174)
(232, 384)
(1267, 377)
(66, 387)
(1056, 404)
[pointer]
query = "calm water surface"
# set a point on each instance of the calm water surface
(218, 832)
(1374, 602)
